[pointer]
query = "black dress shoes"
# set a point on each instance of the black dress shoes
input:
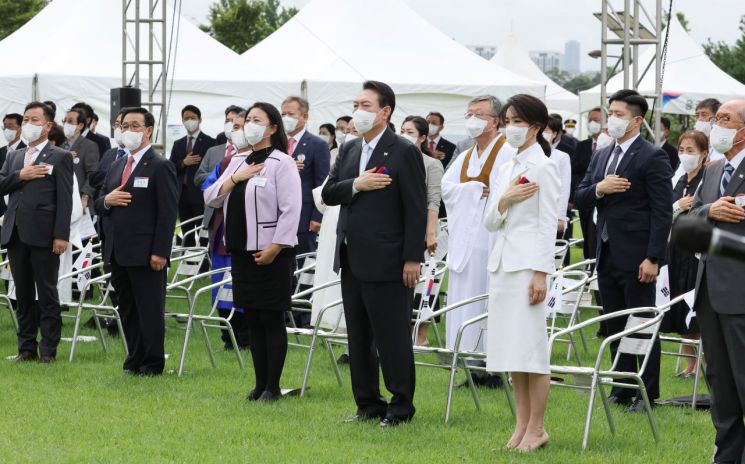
(361, 417)
(269, 396)
(390, 422)
(254, 395)
(46, 359)
(638, 406)
(343, 359)
(25, 356)
(614, 399)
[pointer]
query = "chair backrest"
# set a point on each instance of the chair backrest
(560, 251)
(639, 339)
(430, 282)
(224, 294)
(306, 271)
(189, 263)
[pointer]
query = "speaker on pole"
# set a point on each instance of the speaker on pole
(123, 97)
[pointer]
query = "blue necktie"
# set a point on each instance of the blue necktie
(726, 177)
(366, 152)
(120, 153)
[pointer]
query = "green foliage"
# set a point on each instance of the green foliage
(574, 83)
(729, 58)
(683, 21)
(241, 24)
(16, 13)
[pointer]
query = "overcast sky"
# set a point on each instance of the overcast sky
(540, 24)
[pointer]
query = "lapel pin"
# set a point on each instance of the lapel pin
(385, 153)
(742, 176)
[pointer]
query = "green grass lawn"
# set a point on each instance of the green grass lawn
(88, 411)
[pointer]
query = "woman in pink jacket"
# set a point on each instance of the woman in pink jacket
(261, 198)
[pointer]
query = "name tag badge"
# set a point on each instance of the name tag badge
(740, 200)
(258, 181)
(49, 167)
(141, 182)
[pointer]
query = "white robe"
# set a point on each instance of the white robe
(469, 242)
(64, 287)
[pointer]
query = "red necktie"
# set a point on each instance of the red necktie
(127, 170)
(189, 145)
(432, 146)
(291, 146)
(594, 146)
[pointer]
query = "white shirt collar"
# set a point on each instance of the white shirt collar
(737, 159)
(14, 146)
(297, 136)
(374, 142)
(523, 157)
(41, 146)
(138, 155)
(488, 147)
(85, 133)
(625, 145)
(194, 135)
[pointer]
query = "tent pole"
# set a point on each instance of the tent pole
(35, 88)
(304, 89)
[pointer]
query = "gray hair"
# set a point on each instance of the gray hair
(496, 105)
(242, 114)
(302, 103)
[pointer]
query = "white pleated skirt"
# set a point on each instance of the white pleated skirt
(517, 339)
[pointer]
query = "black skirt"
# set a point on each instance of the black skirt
(266, 288)
(683, 267)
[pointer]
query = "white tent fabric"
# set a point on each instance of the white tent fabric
(689, 77)
(332, 46)
(71, 51)
(513, 56)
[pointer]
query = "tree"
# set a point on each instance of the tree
(573, 83)
(683, 21)
(730, 59)
(241, 24)
(16, 13)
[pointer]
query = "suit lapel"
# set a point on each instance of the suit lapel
(629, 156)
(301, 147)
(604, 154)
(144, 161)
(380, 154)
(355, 152)
(42, 156)
(737, 179)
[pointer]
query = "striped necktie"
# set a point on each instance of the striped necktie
(726, 177)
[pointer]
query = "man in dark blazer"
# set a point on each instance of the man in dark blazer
(580, 162)
(438, 146)
(629, 184)
(102, 141)
(36, 230)
(186, 154)
(719, 291)
(12, 132)
(85, 153)
(378, 180)
(670, 149)
(139, 216)
(311, 154)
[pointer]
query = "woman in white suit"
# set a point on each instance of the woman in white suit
(524, 213)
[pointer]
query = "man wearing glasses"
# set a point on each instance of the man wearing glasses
(465, 191)
(138, 211)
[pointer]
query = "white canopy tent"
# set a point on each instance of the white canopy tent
(689, 77)
(71, 51)
(331, 46)
(513, 56)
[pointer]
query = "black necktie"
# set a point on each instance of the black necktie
(617, 152)
(120, 153)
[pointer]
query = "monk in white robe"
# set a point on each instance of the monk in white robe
(465, 191)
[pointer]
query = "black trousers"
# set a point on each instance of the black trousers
(378, 317)
(240, 329)
(307, 242)
(35, 271)
(186, 211)
(142, 298)
(620, 290)
(723, 337)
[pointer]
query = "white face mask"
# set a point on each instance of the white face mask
(603, 141)
(350, 137)
(191, 125)
(569, 130)
(475, 126)
(516, 135)
(254, 133)
(290, 123)
(118, 136)
(617, 127)
(363, 120)
(340, 138)
(689, 162)
(593, 127)
(238, 138)
(325, 138)
(31, 132)
(703, 126)
(433, 128)
(132, 140)
(228, 129)
(722, 139)
(10, 134)
(549, 136)
(411, 139)
(69, 129)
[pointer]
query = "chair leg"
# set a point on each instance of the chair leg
(697, 376)
(590, 407)
(648, 407)
(13, 317)
(187, 335)
(677, 358)
(75, 332)
(451, 385)
(606, 406)
(508, 393)
(208, 344)
(334, 364)
(308, 361)
(471, 385)
(100, 331)
(234, 342)
(120, 328)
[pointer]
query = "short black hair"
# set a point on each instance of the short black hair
(556, 116)
(81, 119)
(193, 109)
(344, 118)
(230, 109)
(18, 118)
(86, 107)
(94, 117)
(665, 122)
(636, 103)
(48, 113)
(57, 135)
(149, 118)
(279, 138)
(712, 104)
(554, 124)
(386, 97)
(51, 104)
(437, 114)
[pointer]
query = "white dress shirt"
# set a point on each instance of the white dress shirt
(14, 146)
(624, 148)
(367, 150)
(138, 156)
(38, 148)
(297, 137)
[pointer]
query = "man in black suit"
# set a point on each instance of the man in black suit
(139, 216)
(670, 149)
(311, 154)
(103, 142)
(378, 180)
(438, 146)
(12, 133)
(85, 152)
(719, 290)
(629, 184)
(186, 155)
(580, 162)
(36, 230)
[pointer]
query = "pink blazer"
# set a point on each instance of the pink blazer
(272, 211)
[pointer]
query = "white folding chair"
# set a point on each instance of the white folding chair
(561, 248)
(563, 313)
(6, 276)
(427, 293)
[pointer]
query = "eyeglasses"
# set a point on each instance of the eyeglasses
(134, 127)
(479, 115)
(725, 119)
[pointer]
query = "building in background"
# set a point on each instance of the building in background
(546, 60)
(570, 63)
(484, 51)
